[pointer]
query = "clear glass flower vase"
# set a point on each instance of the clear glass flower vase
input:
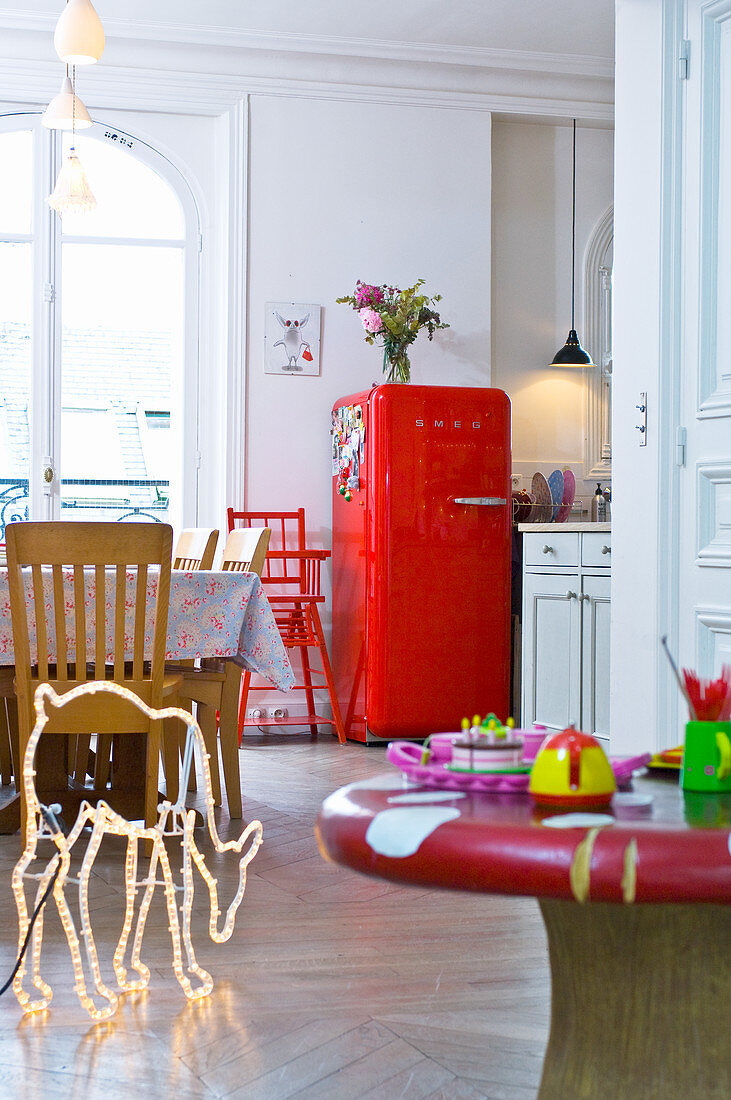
(396, 366)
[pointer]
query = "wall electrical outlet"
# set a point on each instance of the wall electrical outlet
(277, 712)
(266, 714)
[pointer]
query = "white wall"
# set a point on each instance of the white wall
(532, 281)
(338, 192)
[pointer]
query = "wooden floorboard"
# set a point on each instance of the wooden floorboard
(333, 985)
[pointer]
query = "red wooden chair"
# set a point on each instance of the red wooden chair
(291, 576)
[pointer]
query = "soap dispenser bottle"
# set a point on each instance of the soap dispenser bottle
(598, 512)
(607, 494)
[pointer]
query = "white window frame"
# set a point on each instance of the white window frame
(598, 337)
(46, 313)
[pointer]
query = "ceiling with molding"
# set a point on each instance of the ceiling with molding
(579, 27)
(535, 59)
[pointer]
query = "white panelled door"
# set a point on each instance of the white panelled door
(704, 543)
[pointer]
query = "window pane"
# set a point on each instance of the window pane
(15, 373)
(132, 200)
(121, 351)
(16, 190)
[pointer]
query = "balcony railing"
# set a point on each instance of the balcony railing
(91, 498)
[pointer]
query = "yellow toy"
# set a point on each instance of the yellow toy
(572, 769)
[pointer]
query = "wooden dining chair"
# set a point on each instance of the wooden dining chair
(215, 686)
(90, 613)
(246, 550)
(291, 578)
(195, 548)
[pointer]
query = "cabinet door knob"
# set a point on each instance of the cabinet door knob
(547, 549)
(570, 595)
(584, 596)
(606, 549)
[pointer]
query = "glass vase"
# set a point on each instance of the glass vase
(396, 366)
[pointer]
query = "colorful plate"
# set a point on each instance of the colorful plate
(569, 492)
(670, 758)
(555, 487)
(543, 507)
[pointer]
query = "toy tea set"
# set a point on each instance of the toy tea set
(564, 769)
(570, 769)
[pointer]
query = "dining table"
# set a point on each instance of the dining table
(212, 614)
(635, 899)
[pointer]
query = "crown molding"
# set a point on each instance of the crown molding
(15, 19)
(129, 88)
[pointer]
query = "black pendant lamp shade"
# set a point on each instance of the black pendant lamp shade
(572, 354)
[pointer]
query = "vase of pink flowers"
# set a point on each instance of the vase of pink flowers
(395, 318)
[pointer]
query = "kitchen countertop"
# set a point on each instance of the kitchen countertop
(539, 527)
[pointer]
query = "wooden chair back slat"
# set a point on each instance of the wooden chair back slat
(160, 632)
(120, 598)
(21, 642)
(100, 629)
(138, 654)
(59, 616)
(80, 620)
(40, 613)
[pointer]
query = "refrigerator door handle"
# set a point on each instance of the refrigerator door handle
(480, 500)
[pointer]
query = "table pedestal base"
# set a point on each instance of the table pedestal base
(640, 1002)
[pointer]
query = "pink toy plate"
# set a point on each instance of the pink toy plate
(406, 756)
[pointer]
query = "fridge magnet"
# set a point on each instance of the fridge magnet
(292, 338)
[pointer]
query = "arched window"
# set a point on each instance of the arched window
(598, 335)
(98, 332)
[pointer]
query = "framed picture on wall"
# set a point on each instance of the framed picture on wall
(292, 338)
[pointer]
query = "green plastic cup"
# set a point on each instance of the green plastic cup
(707, 757)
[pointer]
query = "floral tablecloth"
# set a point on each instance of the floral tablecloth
(211, 615)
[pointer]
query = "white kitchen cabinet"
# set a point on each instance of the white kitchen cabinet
(565, 628)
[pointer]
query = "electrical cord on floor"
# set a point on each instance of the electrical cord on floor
(56, 825)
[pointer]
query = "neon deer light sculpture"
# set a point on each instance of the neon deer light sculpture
(174, 820)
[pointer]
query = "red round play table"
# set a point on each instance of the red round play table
(635, 901)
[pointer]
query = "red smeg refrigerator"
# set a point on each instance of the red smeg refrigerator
(421, 558)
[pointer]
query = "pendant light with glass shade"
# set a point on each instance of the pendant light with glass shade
(79, 36)
(66, 111)
(572, 354)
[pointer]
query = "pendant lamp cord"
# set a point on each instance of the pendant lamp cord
(73, 113)
(573, 229)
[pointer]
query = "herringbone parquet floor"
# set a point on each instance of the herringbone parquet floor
(333, 985)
